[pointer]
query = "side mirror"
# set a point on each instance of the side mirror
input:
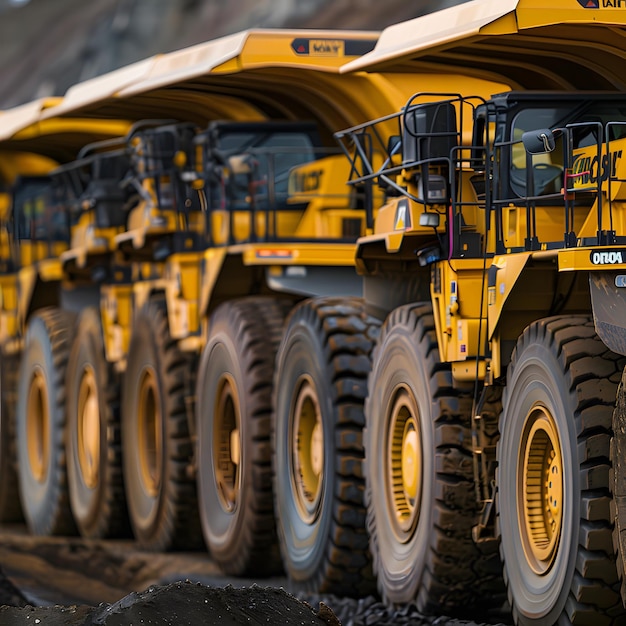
(394, 145)
(538, 141)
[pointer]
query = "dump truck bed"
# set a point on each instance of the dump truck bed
(570, 45)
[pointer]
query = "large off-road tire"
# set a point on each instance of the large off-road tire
(41, 424)
(321, 384)
(10, 506)
(618, 460)
(157, 448)
(94, 453)
(553, 486)
(421, 501)
(233, 412)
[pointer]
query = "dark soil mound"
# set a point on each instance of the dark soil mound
(180, 604)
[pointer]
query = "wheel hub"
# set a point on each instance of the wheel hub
(540, 500)
(38, 426)
(227, 443)
(317, 449)
(88, 434)
(404, 462)
(150, 429)
(410, 460)
(307, 446)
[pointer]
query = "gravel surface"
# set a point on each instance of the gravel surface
(371, 612)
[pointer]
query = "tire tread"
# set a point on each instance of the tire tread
(458, 578)
(58, 520)
(346, 335)
(592, 372)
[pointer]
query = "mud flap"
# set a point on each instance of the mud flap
(608, 298)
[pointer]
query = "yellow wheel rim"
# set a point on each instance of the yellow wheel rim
(38, 426)
(88, 428)
(540, 495)
(404, 462)
(307, 445)
(150, 428)
(227, 443)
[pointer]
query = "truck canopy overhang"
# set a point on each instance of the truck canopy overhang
(26, 132)
(530, 44)
(256, 74)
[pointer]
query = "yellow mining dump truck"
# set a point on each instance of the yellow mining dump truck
(260, 200)
(497, 265)
(26, 167)
(238, 213)
(34, 232)
(35, 227)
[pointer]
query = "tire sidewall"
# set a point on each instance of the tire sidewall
(220, 526)
(303, 544)
(399, 564)
(533, 382)
(10, 505)
(5, 443)
(145, 510)
(87, 351)
(40, 500)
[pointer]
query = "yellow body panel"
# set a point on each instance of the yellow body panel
(71, 126)
(592, 258)
(307, 48)
(14, 164)
(183, 277)
(9, 322)
(299, 254)
(116, 309)
(457, 308)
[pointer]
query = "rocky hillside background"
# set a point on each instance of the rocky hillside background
(48, 45)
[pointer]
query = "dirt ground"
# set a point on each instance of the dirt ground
(73, 581)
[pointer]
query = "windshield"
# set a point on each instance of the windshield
(548, 168)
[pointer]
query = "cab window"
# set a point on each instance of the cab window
(547, 169)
